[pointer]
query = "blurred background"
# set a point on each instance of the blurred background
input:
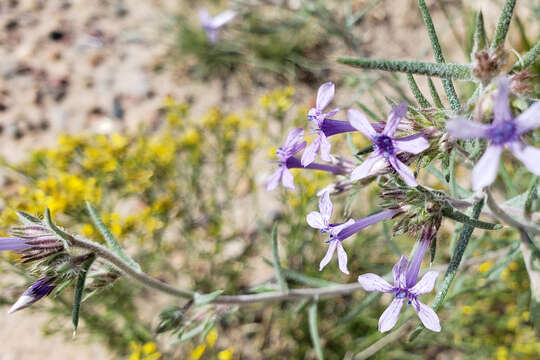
(127, 104)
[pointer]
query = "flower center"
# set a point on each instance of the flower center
(503, 133)
(385, 145)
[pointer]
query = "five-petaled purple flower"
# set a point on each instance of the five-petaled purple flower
(340, 231)
(294, 144)
(323, 125)
(406, 288)
(504, 131)
(386, 146)
(212, 24)
(35, 292)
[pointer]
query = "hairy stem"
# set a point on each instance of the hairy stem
(503, 216)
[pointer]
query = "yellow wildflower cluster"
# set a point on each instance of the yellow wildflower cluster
(208, 347)
(278, 101)
(147, 351)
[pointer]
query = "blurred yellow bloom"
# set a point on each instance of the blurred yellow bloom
(196, 353)
(225, 354)
(148, 351)
(212, 337)
(485, 267)
(502, 353)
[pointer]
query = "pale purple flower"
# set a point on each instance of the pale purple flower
(35, 292)
(13, 244)
(504, 131)
(340, 231)
(323, 125)
(405, 289)
(386, 146)
(286, 160)
(33, 242)
(212, 24)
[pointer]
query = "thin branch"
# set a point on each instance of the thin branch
(503, 216)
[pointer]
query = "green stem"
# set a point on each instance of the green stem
(462, 218)
(434, 94)
(452, 71)
(422, 101)
(447, 82)
(530, 57)
(79, 289)
(503, 24)
(277, 267)
(314, 330)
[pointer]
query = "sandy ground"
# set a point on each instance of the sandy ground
(72, 66)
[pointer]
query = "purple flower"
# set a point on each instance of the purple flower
(406, 288)
(212, 24)
(340, 231)
(294, 144)
(386, 146)
(36, 291)
(323, 126)
(504, 131)
(13, 244)
(34, 242)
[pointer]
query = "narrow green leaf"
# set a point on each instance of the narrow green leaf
(366, 150)
(184, 336)
(27, 218)
(479, 38)
(350, 142)
(451, 271)
(434, 94)
(530, 58)
(370, 113)
(109, 238)
(65, 237)
(449, 70)
(275, 256)
(314, 330)
(79, 289)
(368, 300)
(203, 299)
(532, 195)
(447, 82)
(507, 180)
(464, 219)
(503, 24)
(422, 101)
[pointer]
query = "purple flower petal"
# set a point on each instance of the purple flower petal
(325, 95)
(485, 170)
(398, 272)
(390, 316)
(351, 227)
(310, 154)
(363, 170)
(342, 258)
(325, 147)
(529, 119)
(403, 170)
(394, 117)
(529, 155)
(426, 284)
(294, 136)
(331, 113)
(326, 207)
(416, 261)
(316, 221)
(329, 253)
(204, 17)
(223, 18)
(273, 180)
(36, 291)
(462, 128)
(336, 229)
(359, 121)
(501, 103)
(428, 317)
(287, 179)
(413, 144)
(12, 244)
(372, 282)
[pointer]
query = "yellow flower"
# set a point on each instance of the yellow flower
(467, 310)
(211, 337)
(196, 353)
(502, 353)
(486, 266)
(225, 354)
(87, 230)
